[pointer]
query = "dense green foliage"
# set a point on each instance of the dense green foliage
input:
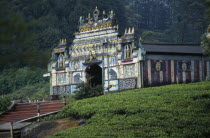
(4, 103)
(173, 21)
(205, 44)
(167, 111)
(32, 92)
(208, 10)
(18, 40)
(24, 82)
(86, 91)
(205, 41)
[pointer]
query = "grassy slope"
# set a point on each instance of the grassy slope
(167, 111)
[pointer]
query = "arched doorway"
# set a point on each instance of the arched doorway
(94, 74)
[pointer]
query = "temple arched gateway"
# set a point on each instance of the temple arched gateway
(121, 63)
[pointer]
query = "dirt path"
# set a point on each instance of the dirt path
(62, 125)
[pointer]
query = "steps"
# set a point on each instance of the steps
(28, 110)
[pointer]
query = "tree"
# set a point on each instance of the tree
(208, 10)
(205, 44)
(205, 39)
(151, 37)
(188, 21)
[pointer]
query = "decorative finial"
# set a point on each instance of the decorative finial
(125, 31)
(129, 30)
(88, 15)
(81, 19)
(133, 30)
(96, 7)
(140, 38)
(104, 13)
(111, 12)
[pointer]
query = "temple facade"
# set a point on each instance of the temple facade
(98, 55)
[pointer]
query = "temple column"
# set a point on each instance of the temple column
(121, 72)
(70, 77)
(54, 79)
(138, 74)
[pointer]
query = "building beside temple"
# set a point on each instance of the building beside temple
(99, 56)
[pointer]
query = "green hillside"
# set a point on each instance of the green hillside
(167, 111)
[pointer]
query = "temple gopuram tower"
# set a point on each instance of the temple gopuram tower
(97, 56)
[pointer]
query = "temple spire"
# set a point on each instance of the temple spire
(62, 41)
(125, 31)
(133, 30)
(111, 12)
(129, 30)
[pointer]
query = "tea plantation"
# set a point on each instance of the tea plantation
(167, 111)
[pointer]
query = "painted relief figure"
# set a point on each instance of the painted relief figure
(184, 66)
(60, 60)
(129, 70)
(61, 78)
(158, 66)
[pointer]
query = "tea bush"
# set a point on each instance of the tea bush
(167, 111)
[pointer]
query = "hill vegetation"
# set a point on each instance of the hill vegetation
(4, 103)
(24, 83)
(167, 111)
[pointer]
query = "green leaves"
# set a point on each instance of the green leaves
(4, 103)
(167, 111)
(205, 44)
(152, 37)
(14, 79)
(87, 91)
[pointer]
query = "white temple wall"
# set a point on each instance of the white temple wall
(53, 79)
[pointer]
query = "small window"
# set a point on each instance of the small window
(77, 78)
(113, 74)
(127, 51)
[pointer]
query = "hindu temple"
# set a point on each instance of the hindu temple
(99, 55)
